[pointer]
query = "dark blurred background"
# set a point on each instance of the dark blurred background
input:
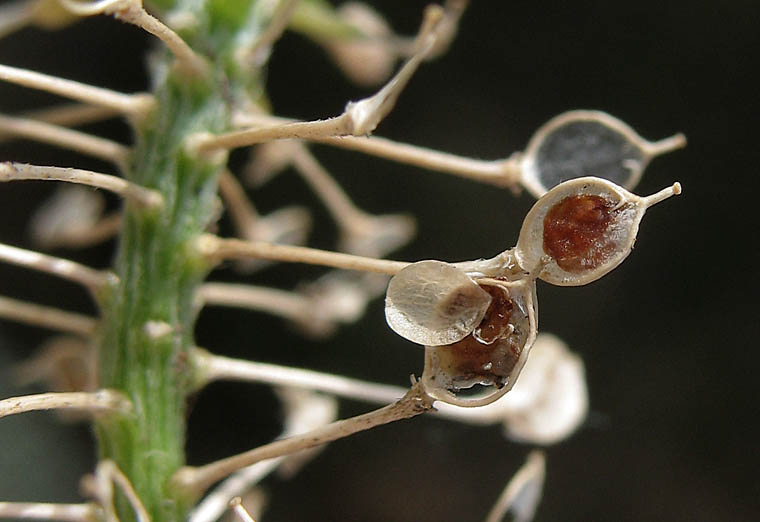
(669, 339)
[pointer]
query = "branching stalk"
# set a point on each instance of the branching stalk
(84, 143)
(279, 302)
(142, 196)
(131, 11)
(216, 367)
(130, 104)
(92, 279)
(237, 506)
(103, 401)
(210, 367)
(216, 249)
(502, 173)
(72, 114)
(195, 480)
(46, 317)
(86, 512)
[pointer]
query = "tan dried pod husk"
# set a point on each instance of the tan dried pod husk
(51, 15)
(366, 60)
(432, 303)
(584, 143)
(71, 210)
(550, 401)
(582, 229)
(482, 367)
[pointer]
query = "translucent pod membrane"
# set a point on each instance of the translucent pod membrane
(576, 144)
(484, 365)
(582, 229)
(432, 303)
(72, 207)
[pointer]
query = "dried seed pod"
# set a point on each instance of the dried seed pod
(492, 356)
(550, 400)
(433, 303)
(366, 59)
(582, 229)
(69, 213)
(576, 144)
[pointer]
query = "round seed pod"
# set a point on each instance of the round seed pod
(484, 365)
(576, 144)
(432, 303)
(582, 229)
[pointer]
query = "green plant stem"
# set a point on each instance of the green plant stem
(158, 266)
(158, 275)
(159, 270)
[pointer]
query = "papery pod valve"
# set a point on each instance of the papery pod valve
(582, 229)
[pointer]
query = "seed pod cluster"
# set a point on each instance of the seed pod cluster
(478, 330)
(485, 364)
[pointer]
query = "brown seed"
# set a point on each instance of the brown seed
(575, 232)
(495, 322)
(469, 361)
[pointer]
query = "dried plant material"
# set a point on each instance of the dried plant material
(358, 119)
(193, 481)
(289, 225)
(433, 303)
(72, 218)
(10, 171)
(81, 142)
(582, 229)
(484, 365)
(136, 105)
(64, 363)
(546, 405)
(254, 502)
(69, 207)
(477, 319)
(93, 280)
(338, 298)
(268, 161)
(211, 368)
(361, 233)
(15, 15)
(236, 504)
(304, 411)
(579, 144)
(47, 317)
(548, 402)
(100, 402)
(45, 14)
(366, 59)
(216, 249)
(100, 487)
(316, 308)
(523, 492)
(550, 399)
(51, 15)
(131, 11)
(87, 512)
(72, 114)
(377, 236)
(259, 50)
